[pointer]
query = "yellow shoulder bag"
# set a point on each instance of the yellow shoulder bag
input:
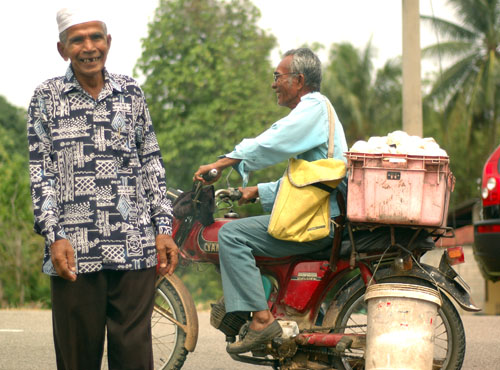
(301, 211)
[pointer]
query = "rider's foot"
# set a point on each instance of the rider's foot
(255, 339)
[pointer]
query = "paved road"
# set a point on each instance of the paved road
(26, 343)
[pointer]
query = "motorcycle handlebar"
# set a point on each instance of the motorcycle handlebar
(210, 175)
(231, 193)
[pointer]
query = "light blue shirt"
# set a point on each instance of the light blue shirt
(302, 134)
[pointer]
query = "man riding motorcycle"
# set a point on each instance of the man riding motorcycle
(302, 134)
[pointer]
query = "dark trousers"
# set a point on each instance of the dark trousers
(117, 302)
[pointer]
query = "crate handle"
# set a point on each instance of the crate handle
(394, 162)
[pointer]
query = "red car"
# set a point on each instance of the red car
(487, 231)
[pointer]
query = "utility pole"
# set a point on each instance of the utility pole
(412, 93)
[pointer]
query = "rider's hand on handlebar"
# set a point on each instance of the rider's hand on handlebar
(249, 194)
(204, 169)
(221, 163)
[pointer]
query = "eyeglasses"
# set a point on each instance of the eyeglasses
(278, 75)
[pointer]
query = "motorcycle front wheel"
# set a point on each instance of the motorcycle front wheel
(449, 340)
(168, 339)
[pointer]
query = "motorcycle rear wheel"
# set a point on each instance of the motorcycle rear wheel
(449, 341)
(168, 339)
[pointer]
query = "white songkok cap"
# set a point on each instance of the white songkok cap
(70, 17)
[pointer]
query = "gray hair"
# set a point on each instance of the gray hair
(306, 62)
(63, 36)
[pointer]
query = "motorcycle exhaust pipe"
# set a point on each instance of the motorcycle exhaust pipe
(340, 341)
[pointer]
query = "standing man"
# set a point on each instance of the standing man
(303, 134)
(99, 199)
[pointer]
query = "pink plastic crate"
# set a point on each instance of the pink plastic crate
(398, 189)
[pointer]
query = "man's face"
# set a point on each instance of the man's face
(286, 85)
(87, 47)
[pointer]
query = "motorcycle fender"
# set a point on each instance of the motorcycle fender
(431, 274)
(451, 286)
(191, 327)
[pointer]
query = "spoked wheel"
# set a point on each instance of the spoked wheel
(168, 339)
(449, 340)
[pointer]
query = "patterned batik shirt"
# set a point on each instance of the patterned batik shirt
(97, 176)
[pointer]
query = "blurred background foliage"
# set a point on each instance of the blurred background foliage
(207, 74)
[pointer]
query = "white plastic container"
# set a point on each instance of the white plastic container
(400, 332)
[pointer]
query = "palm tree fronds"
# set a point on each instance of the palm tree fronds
(453, 77)
(448, 49)
(490, 81)
(449, 29)
(477, 13)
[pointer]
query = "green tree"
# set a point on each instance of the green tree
(21, 281)
(13, 122)
(468, 88)
(208, 86)
(208, 79)
(367, 103)
(387, 98)
(348, 84)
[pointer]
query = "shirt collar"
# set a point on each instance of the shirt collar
(71, 83)
(311, 94)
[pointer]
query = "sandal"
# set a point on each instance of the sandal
(255, 339)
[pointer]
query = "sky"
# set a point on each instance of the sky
(29, 34)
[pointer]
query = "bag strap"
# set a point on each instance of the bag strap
(324, 187)
(331, 123)
(339, 221)
(338, 230)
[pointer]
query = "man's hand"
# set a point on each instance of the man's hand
(198, 175)
(249, 194)
(219, 166)
(63, 259)
(168, 254)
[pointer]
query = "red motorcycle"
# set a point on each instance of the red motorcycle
(318, 298)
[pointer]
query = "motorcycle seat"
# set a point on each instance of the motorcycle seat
(370, 241)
